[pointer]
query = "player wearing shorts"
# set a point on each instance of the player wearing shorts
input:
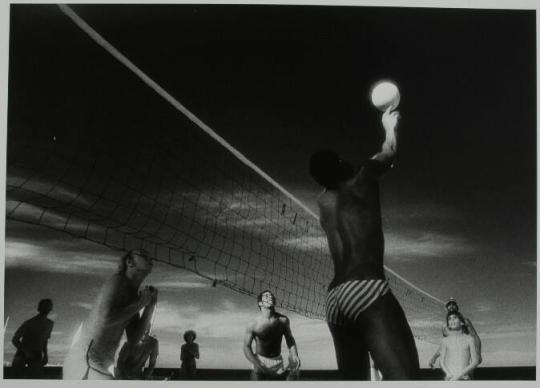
(268, 330)
(115, 311)
(363, 315)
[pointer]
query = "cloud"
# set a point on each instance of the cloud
(22, 253)
(223, 322)
(511, 328)
(509, 334)
(179, 284)
(85, 306)
(308, 243)
(424, 324)
(508, 358)
(51, 188)
(427, 245)
(483, 307)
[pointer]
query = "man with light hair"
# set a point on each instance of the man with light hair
(452, 306)
(115, 311)
(459, 354)
(268, 330)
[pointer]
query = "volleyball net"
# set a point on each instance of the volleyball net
(188, 197)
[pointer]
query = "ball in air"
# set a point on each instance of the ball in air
(385, 94)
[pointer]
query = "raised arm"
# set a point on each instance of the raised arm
(382, 160)
(115, 314)
(137, 327)
(389, 147)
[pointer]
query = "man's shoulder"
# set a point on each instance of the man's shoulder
(282, 317)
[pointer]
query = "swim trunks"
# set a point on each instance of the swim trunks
(274, 364)
(345, 302)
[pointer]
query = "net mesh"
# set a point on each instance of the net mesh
(179, 194)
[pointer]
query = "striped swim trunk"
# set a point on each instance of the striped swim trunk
(274, 364)
(345, 302)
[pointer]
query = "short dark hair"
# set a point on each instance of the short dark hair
(45, 306)
(328, 169)
(259, 297)
(452, 301)
(191, 333)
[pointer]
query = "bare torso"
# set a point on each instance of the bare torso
(103, 334)
(36, 332)
(458, 353)
(351, 219)
(268, 333)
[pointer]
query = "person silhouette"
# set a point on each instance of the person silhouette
(31, 340)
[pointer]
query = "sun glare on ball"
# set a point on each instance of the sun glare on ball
(385, 94)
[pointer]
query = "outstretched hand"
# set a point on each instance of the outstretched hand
(390, 119)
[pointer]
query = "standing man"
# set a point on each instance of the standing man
(268, 330)
(451, 307)
(459, 355)
(115, 311)
(133, 357)
(362, 313)
(31, 339)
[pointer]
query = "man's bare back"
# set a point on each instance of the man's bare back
(351, 219)
(364, 317)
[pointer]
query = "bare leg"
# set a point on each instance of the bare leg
(351, 352)
(390, 339)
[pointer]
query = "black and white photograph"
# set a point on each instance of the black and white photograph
(278, 191)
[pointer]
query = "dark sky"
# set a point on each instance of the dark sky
(279, 82)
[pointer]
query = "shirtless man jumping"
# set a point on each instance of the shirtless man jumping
(363, 315)
(459, 354)
(116, 310)
(268, 329)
